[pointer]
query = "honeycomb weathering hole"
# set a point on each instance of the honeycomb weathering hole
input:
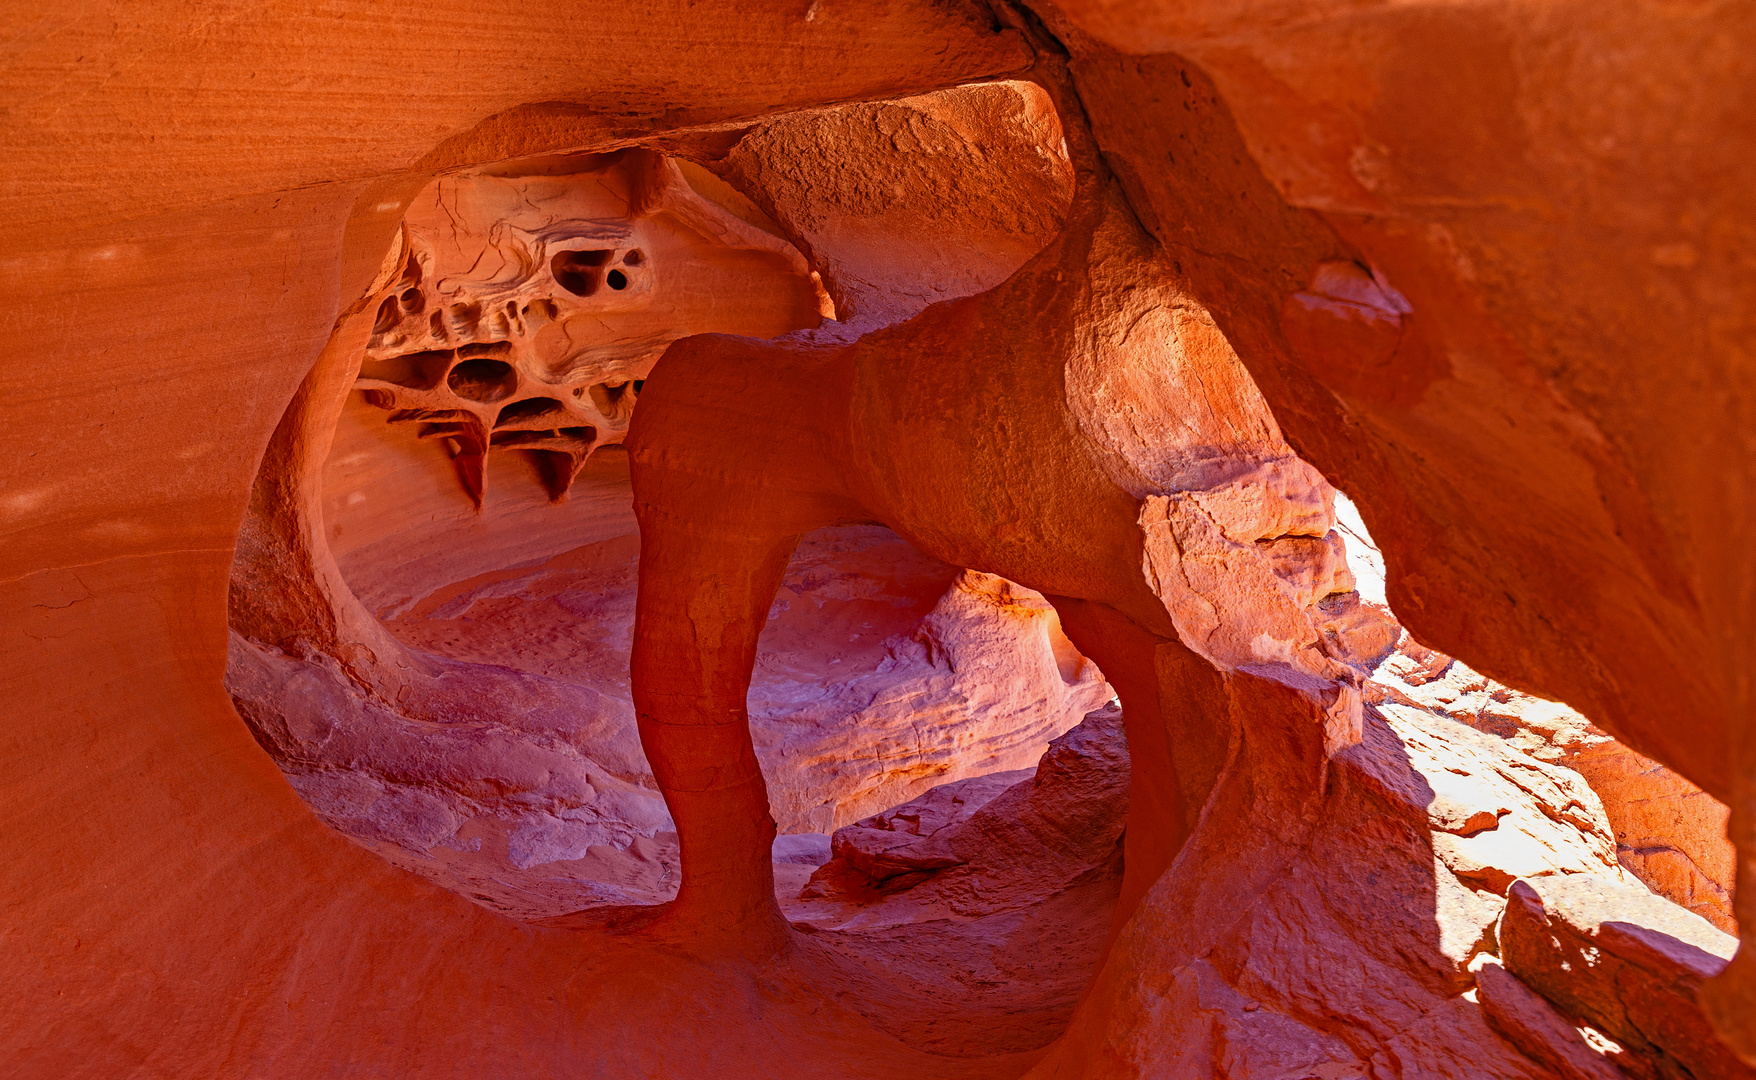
(412, 371)
(528, 409)
(578, 271)
(482, 380)
(612, 398)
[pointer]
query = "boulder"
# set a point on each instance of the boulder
(1003, 842)
(1628, 963)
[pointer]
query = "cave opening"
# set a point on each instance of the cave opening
(913, 718)
(948, 770)
(740, 539)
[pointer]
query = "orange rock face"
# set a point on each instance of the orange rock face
(1630, 964)
(1499, 422)
(491, 322)
(1670, 834)
(711, 539)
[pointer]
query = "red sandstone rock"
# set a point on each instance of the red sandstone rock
(1673, 835)
(1669, 833)
(1084, 325)
(1003, 841)
(523, 308)
(905, 203)
(905, 839)
(1336, 940)
(981, 683)
(839, 721)
(1532, 1024)
(1014, 874)
(1629, 964)
(539, 815)
(1389, 212)
(1463, 157)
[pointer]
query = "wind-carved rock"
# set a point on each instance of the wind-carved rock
(497, 322)
(1253, 573)
(1083, 429)
(528, 310)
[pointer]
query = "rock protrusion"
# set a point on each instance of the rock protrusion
(1526, 1020)
(1007, 841)
(1628, 963)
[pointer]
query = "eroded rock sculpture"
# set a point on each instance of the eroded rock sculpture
(510, 775)
(528, 309)
(1669, 833)
(1094, 318)
(1004, 352)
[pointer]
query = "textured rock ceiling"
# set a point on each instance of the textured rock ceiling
(552, 452)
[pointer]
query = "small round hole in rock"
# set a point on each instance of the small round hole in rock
(527, 409)
(576, 271)
(388, 316)
(616, 279)
(482, 379)
(607, 396)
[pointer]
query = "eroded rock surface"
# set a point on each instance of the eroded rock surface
(1626, 962)
(883, 674)
(1669, 833)
(1531, 1023)
(1487, 262)
(985, 901)
(1358, 928)
(901, 204)
(526, 307)
(520, 309)
(1003, 842)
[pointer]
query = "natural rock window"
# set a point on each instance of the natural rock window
(806, 538)
(491, 473)
(522, 310)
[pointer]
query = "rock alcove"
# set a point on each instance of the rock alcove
(473, 514)
(948, 772)
(801, 542)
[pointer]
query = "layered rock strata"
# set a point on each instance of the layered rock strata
(1486, 261)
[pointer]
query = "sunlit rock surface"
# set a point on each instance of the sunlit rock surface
(1669, 833)
(1630, 965)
